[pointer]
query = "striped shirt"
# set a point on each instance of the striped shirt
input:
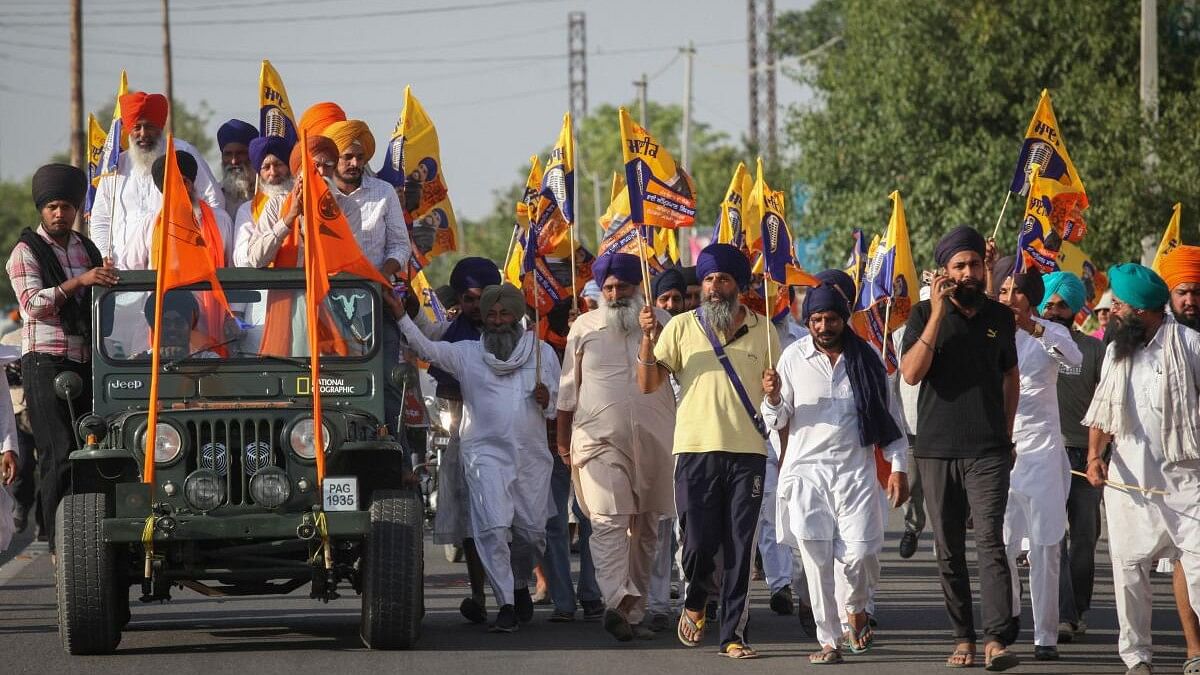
(41, 329)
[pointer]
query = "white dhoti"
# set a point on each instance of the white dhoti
(1037, 515)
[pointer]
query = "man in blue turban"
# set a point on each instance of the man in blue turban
(670, 291)
(717, 354)
(1145, 405)
(832, 515)
(237, 176)
(1064, 298)
(260, 217)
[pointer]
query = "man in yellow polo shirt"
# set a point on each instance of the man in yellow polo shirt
(720, 447)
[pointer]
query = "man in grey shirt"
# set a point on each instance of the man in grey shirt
(1063, 300)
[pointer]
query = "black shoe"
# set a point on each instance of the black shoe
(474, 609)
(659, 623)
(1044, 653)
(807, 624)
(524, 604)
(908, 543)
(1066, 632)
(1141, 668)
(506, 621)
(592, 610)
(617, 625)
(642, 631)
(562, 617)
(782, 603)
(710, 611)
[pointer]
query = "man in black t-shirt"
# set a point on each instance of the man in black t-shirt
(960, 347)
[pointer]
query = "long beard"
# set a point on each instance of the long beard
(720, 313)
(501, 343)
(622, 314)
(1128, 335)
(237, 182)
(969, 293)
(274, 190)
(141, 159)
(1067, 322)
(1190, 322)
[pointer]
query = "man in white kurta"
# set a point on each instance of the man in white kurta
(618, 441)
(1146, 406)
(506, 459)
(127, 199)
(828, 501)
(1041, 476)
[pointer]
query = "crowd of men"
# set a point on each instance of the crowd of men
(694, 432)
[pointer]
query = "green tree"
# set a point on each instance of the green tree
(16, 213)
(713, 158)
(933, 98)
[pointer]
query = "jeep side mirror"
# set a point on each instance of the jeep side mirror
(68, 385)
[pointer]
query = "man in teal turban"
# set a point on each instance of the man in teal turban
(1063, 299)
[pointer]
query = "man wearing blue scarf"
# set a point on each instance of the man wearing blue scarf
(830, 393)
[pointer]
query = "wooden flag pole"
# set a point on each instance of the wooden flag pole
(887, 323)
(574, 286)
(645, 267)
(537, 324)
(1003, 207)
(767, 307)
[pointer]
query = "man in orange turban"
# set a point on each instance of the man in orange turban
(127, 201)
(319, 116)
(1181, 270)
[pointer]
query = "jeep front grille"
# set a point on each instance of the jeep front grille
(235, 447)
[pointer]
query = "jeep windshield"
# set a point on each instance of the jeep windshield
(266, 323)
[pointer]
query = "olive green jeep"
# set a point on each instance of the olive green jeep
(235, 508)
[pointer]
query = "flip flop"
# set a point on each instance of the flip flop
(737, 650)
(694, 627)
(826, 658)
(968, 654)
(1192, 666)
(860, 643)
(1000, 660)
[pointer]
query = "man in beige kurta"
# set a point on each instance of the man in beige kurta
(619, 443)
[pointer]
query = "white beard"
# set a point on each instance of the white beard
(237, 184)
(281, 188)
(623, 314)
(720, 314)
(141, 159)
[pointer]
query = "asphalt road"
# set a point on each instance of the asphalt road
(293, 634)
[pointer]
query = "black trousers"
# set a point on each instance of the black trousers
(53, 432)
(718, 496)
(954, 489)
(1077, 570)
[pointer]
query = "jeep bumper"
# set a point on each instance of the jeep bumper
(340, 524)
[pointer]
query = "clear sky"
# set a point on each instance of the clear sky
(491, 73)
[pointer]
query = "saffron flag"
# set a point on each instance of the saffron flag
(661, 194)
(181, 257)
(275, 116)
(1052, 216)
(769, 234)
(1171, 238)
(526, 207)
(1044, 146)
(729, 228)
(413, 154)
(95, 153)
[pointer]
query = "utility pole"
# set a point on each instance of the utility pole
(760, 21)
(78, 148)
(577, 93)
(641, 87)
(169, 80)
(1149, 60)
(685, 142)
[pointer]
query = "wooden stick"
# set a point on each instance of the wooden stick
(887, 321)
(537, 324)
(1125, 486)
(645, 268)
(574, 285)
(767, 307)
(1007, 195)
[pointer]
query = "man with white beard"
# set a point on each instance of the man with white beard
(509, 382)
(618, 441)
(269, 157)
(1040, 481)
(237, 178)
(128, 199)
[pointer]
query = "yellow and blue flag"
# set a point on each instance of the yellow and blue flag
(1073, 259)
(526, 208)
(413, 154)
(891, 276)
(1053, 215)
(275, 116)
(661, 194)
(769, 233)
(856, 263)
(1171, 237)
(118, 138)
(730, 221)
(1044, 146)
(95, 153)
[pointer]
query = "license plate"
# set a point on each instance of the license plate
(341, 493)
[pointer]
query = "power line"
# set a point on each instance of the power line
(315, 17)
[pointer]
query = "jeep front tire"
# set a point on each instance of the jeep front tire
(393, 594)
(87, 604)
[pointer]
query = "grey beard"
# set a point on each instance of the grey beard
(237, 182)
(622, 314)
(143, 159)
(720, 313)
(501, 343)
(274, 190)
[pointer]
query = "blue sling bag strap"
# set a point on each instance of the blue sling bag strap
(736, 381)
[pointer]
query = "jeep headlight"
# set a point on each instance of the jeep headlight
(167, 443)
(271, 487)
(302, 437)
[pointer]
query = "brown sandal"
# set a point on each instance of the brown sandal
(826, 658)
(963, 657)
(737, 650)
